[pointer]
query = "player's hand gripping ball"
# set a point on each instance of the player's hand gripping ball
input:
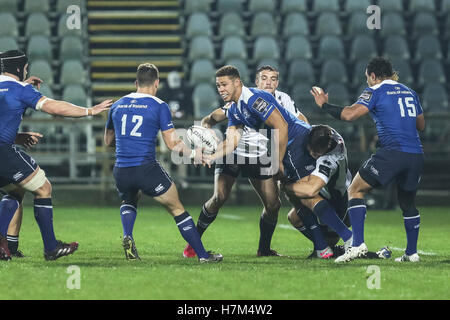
(201, 137)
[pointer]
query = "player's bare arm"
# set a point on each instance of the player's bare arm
(302, 117)
(214, 118)
(66, 109)
(174, 143)
(109, 138)
(227, 146)
(420, 122)
(348, 113)
(277, 122)
(308, 187)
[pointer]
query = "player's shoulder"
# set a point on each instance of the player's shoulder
(11, 83)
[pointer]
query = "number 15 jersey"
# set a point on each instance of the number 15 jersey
(136, 120)
(394, 108)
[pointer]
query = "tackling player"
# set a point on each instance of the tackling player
(19, 170)
(252, 145)
(398, 115)
(132, 127)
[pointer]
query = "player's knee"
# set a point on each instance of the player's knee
(45, 191)
(294, 219)
(38, 184)
(10, 202)
(219, 198)
(273, 207)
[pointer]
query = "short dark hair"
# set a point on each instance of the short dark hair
(320, 138)
(264, 68)
(147, 74)
(228, 71)
(381, 67)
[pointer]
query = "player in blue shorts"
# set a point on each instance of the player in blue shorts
(18, 170)
(132, 127)
(398, 115)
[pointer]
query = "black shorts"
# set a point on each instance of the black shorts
(247, 168)
(15, 165)
(150, 178)
(386, 166)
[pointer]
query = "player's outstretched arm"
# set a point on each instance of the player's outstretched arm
(308, 187)
(228, 145)
(214, 118)
(349, 113)
(66, 109)
(174, 143)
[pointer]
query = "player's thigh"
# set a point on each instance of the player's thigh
(267, 190)
(171, 201)
(359, 187)
(310, 203)
(410, 178)
(223, 183)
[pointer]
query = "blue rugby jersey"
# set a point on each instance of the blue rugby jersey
(394, 108)
(255, 106)
(136, 120)
(15, 98)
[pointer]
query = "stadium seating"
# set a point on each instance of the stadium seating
(425, 23)
(357, 24)
(193, 6)
(205, 99)
(295, 23)
(303, 99)
(42, 69)
(9, 6)
(396, 47)
(421, 6)
(31, 6)
(241, 65)
(263, 24)
(201, 47)
(363, 47)
(229, 6)
(391, 5)
(76, 94)
(356, 5)
(328, 23)
(233, 47)
(231, 24)
(358, 73)
(338, 94)
(445, 6)
(331, 47)
(435, 98)
(46, 91)
(298, 47)
(333, 71)
(270, 62)
(63, 29)
(198, 24)
(71, 47)
(10, 26)
(403, 68)
(72, 72)
(392, 23)
(288, 6)
(326, 5)
(431, 71)
(8, 43)
(255, 6)
(37, 24)
(63, 5)
(39, 47)
(202, 70)
(301, 70)
(266, 47)
(428, 47)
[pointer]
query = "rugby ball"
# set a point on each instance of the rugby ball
(318, 90)
(201, 137)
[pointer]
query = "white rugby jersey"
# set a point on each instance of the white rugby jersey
(332, 168)
(254, 144)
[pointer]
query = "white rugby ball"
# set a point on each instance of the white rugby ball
(319, 90)
(201, 137)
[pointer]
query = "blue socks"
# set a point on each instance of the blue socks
(190, 234)
(357, 212)
(311, 223)
(412, 224)
(128, 216)
(43, 213)
(328, 215)
(8, 206)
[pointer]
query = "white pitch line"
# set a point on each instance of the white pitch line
(285, 226)
(230, 216)
(418, 251)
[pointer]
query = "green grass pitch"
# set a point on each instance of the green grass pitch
(163, 274)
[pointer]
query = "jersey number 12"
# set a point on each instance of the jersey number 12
(136, 119)
(410, 106)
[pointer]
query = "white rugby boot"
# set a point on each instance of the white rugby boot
(352, 253)
(412, 258)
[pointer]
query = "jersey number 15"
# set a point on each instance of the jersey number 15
(410, 106)
(136, 119)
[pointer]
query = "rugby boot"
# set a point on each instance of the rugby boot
(62, 249)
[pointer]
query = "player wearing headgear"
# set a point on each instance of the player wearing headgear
(251, 146)
(398, 115)
(18, 169)
(132, 127)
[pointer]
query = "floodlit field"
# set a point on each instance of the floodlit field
(164, 274)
